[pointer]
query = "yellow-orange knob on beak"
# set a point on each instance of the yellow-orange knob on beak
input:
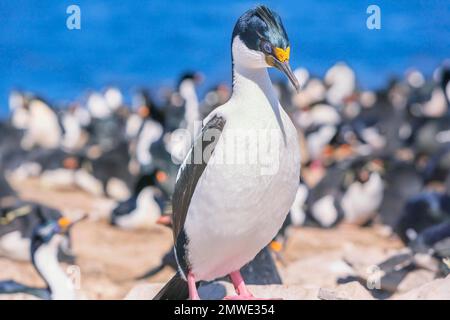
(64, 222)
(282, 54)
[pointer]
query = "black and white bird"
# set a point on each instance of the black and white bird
(146, 206)
(43, 126)
(187, 91)
(435, 241)
(420, 212)
(107, 174)
(226, 210)
(34, 128)
(351, 191)
(402, 181)
(45, 241)
(17, 222)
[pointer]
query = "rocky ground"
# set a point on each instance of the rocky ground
(316, 264)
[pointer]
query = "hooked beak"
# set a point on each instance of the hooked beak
(286, 69)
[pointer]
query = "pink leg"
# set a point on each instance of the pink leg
(239, 284)
(241, 289)
(193, 294)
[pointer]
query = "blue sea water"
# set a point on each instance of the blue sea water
(148, 43)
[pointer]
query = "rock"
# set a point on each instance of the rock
(322, 270)
(348, 291)
(362, 258)
(18, 296)
(438, 289)
(397, 273)
(218, 290)
(330, 294)
(144, 291)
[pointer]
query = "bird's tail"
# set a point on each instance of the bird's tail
(175, 289)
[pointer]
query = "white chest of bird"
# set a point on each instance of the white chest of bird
(361, 201)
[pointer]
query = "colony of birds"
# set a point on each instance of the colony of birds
(375, 160)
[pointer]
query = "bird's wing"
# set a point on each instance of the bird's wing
(192, 169)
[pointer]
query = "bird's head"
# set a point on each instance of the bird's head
(260, 41)
(53, 233)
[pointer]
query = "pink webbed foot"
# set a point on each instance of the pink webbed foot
(241, 289)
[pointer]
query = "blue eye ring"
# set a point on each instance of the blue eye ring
(267, 47)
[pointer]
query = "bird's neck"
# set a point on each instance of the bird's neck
(46, 262)
(250, 84)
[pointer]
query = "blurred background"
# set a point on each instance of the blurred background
(149, 43)
(90, 145)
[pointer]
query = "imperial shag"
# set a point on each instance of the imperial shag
(226, 211)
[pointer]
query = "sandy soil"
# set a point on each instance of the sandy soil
(110, 259)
